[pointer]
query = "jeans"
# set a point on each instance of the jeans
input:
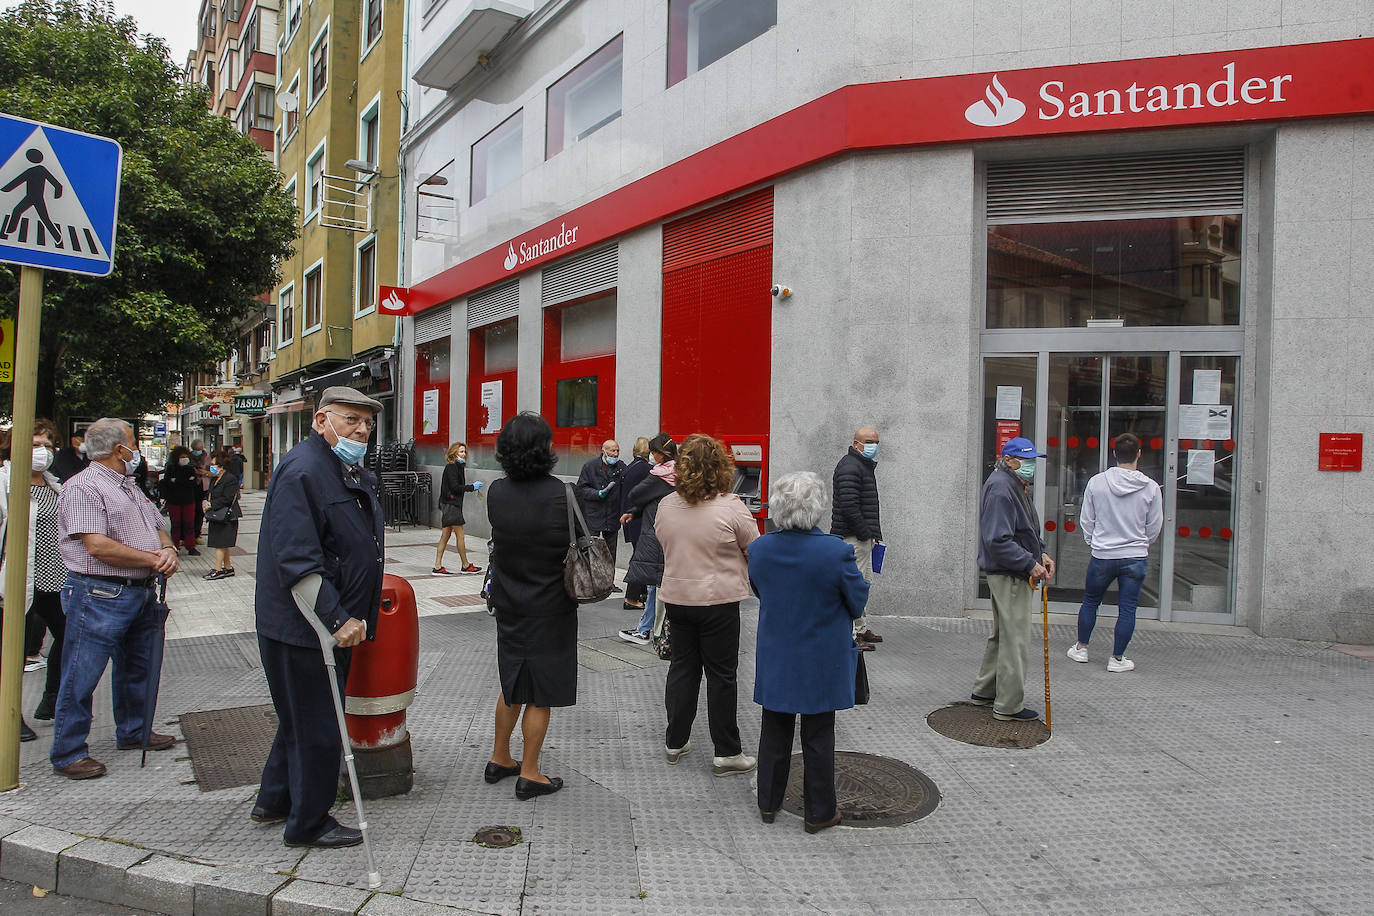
(105, 622)
(1129, 573)
(704, 639)
(646, 622)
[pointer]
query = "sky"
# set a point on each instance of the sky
(174, 21)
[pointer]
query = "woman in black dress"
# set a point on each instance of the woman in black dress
(224, 494)
(536, 621)
(182, 491)
(451, 490)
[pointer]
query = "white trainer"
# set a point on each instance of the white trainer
(1118, 665)
(1078, 653)
(675, 754)
(729, 766)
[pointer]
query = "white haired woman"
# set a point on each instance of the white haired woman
(810, 592)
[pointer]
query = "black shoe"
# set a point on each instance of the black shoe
(1024, 715)
(261, 815)
(976, 700)
(767, 817)
(213, 574)
(192, 552)
(526, 789)
(632, 606)
(46, 707)
(495, 773)
(26, 733)
(337, 838)
(616, 590)
(228, 571)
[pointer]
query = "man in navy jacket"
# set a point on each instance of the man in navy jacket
(319, 552)
(1012, 554)
(598, 491)
(854, 513)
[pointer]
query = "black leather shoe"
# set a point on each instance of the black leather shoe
(526, 789)
(26, 733)
(767, 817)
(46, 707)
(337, 838)
(261, 815)
(495, 773)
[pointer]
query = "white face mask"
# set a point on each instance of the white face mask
(183, 461)
(42, 458)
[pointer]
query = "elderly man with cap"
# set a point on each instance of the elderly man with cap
(1012, 554)
(319, 552)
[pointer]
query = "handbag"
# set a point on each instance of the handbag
(861, 691)
(663, 643)
(588, 570)
(222, 514)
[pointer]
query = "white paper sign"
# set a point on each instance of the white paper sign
(1204, 421)
(1008, 402)
(429, 415)
(1206, 386)
(1201, 466)
(491, 402)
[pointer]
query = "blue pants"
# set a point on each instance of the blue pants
(105, 622)
(301, 777)
(1129, 574)
(646, 620)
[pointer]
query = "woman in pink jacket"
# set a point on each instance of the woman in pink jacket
(705, 531)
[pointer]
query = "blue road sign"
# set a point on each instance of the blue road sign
(59, 197)
(159, 430)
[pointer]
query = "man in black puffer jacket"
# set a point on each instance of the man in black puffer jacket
(854, 516)
(598, 490)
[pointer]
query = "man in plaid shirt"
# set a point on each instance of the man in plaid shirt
(113, 543)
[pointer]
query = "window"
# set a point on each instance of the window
(291, 193)
(286, 316)
(319, 65)
(578, 384)
(701, 32)
(314, 283)
(367, 276)
(293, 18)
(250, 40)
(585, 100)
(493, 360)
(264, 107)
(369, 143)
(496, 158)
(207, 76)
(577, 401)
(372, 22)
(432, 367)
(293, 117)
(314, 174)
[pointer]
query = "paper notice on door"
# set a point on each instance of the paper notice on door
(1204, 421)
(491, 403)
(1008, 402)
(1201, 466)
(429, 413)
(1206, 386)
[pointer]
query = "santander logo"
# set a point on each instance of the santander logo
(528, 251)
(997, 108)
(393, 302)
(511, 259)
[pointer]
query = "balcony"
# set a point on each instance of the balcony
(476, 30)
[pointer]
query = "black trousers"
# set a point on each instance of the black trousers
(301, 777)
(705, 639)
(46, 613)
(818, 762)
(612, 539)
(201, 496)
(635, 591)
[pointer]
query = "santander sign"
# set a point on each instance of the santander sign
(1064, 99)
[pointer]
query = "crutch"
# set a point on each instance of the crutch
(1045, 610)
(327, 646)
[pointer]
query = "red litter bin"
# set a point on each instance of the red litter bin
(381, 686)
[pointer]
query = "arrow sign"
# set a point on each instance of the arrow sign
(59, 197)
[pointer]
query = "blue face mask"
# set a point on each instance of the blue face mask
(461, 460)
(871, 451)
(350, 451)
(1027, 469)
(612, 459)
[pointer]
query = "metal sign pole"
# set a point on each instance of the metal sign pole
(17, 521)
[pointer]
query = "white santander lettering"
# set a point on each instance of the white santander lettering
(1053, 100)
(541, 247)
(1252, 84)
(1279, 81)
(1057, 101)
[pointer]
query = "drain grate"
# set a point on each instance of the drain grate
(498, 837)
(872, 791)
(975, 725)
(229, 746)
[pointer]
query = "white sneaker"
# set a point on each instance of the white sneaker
(634, 636)
(37, 663)
(1117, 665)
(1078, 653)
(677, 753)
(729, 766)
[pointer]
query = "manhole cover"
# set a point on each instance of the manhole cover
(975, 725)
(229, 746)
(497, 837)
(872, 791)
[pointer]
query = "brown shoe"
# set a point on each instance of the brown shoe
(156, 742)
(85, 768)
(866, 646)
(869, 636)
(817, 828)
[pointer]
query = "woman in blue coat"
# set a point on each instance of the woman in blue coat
(810, 592)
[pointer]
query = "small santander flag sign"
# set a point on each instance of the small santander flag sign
(394, 300)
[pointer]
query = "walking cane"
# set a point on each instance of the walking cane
(327, 645)
(1045, 626)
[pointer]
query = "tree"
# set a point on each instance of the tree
(203, 218)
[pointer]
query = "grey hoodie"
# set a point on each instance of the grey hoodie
(1123, 512)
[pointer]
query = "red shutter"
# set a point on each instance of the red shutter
(729, 228)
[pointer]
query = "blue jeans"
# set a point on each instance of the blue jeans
(646, 623)
(1129, 573)
(105, 622)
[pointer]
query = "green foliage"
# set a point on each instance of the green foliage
(203, 218)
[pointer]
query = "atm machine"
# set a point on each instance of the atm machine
(751, 475)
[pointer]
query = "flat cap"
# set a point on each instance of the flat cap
(342, 394)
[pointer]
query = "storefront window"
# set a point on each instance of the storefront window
(1127, 273)
(431, 401)
(579, 378)
(577, 401)
(492, 363)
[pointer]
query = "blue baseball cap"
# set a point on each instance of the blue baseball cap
(1021, 447)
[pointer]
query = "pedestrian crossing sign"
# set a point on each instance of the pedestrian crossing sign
(59, 197)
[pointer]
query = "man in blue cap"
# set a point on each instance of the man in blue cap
(1012, 554)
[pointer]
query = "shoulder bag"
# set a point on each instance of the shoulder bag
(588, 570)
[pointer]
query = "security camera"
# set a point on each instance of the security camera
(780, 292)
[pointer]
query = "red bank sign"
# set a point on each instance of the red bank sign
(1325, 80)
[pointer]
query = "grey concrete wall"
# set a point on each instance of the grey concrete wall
(639, 334)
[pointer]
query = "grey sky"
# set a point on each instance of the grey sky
(174, 21)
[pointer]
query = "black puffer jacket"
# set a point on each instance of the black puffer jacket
(855, 513)
(646, 566)
(601, 512)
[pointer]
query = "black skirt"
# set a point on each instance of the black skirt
(452, 516)
(536, 658)
(223, 535)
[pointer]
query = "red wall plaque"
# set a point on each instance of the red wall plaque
(1340, 452)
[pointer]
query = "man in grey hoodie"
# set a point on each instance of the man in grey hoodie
(1123, 513)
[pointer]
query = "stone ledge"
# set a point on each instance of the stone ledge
(29, 855)
(164, 885)
(236, 890)
(310, 898)
(97, 870)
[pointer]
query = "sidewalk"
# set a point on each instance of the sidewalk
(1227, 774)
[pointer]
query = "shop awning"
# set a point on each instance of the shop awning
(295, 406)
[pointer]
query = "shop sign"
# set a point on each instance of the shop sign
(393, 299)
(6, 349)
(1340, 451)
(252, 404)
(216, 395)
(159, 430)
(214, 411)
(1320, 80)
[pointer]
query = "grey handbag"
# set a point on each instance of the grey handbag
(588, 570)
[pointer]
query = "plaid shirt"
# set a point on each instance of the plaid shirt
(102, 501)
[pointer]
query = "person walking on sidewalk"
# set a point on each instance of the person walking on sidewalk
(111, 540)
(181, 489)
(705, 531)
(854, 515)
(1012, 554)
(1123, 513)
(223, 515)
(200, 463)
(635, 472)
(646, 565)
(319, 552)
(598, 490)
(451, 489)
